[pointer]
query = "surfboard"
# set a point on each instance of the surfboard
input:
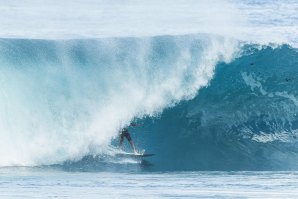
(133, 155)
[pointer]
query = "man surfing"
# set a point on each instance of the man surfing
(125, 134)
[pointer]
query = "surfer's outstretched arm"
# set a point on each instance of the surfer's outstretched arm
(133, 124)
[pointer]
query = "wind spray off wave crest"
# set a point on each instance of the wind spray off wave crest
(269, 21)
(62, 100)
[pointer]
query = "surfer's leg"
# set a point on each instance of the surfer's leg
(133, 146)
(121, 141)
(127, 135)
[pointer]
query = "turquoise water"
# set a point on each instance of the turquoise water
(65, 101)
(51, 183)
(212, 85)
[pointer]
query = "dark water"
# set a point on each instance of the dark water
(245, 119)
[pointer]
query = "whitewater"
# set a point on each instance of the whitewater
(213, 85)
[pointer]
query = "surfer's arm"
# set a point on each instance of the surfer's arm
(135, 124)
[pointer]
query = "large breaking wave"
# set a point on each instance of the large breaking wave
(62, 100)
(214, 94)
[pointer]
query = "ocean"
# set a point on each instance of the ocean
(44, 183)
(211, 85)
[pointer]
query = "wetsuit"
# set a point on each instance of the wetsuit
(124, 133)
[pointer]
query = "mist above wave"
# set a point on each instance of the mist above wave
(260, 22)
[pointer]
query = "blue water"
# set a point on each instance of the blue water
(245, 119)
(235, 138)
(47, 183)
(211, 85)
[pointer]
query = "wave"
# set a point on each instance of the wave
(62, 100)
(245, 119)
(206, 102)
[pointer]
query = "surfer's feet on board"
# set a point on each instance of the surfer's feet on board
(141, 152)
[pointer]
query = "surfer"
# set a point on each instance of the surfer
(125, 134)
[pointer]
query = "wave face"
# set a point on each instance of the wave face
(63, 100)
(206, 102)
(245, 119)
(217, 98)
